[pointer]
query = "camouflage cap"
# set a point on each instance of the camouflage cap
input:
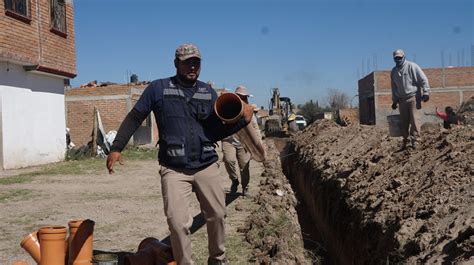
(186, 51)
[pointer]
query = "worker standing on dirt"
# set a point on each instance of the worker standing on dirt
(189, 128)
(409, 87)
(236, 157)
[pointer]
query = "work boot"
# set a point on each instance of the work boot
(234, 186)
(404, 145)
(245, 191)
(212, 261)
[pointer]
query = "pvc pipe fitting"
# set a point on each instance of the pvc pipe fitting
(31, 244)
(20, 262)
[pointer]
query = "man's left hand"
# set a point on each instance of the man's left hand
(248, 112)
(425, 98)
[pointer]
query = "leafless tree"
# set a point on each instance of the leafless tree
(337, 99)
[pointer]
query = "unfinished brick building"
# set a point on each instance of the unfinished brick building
(37, 54)
(113, 102)
(449, 87)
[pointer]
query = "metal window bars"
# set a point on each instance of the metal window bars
(58, 15)
(18, 6)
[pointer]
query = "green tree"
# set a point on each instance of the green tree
(310, 110)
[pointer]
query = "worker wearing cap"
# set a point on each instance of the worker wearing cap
(236, 157)
(409, 87)
(189, 128)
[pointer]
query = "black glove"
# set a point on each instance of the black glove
(394, 105)
(425, 98)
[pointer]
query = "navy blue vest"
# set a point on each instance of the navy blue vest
(181, 115)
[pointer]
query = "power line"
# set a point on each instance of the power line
(442, 59)
(472, 55)
(374, 61)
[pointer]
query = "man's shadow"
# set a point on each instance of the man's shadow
(198, 222)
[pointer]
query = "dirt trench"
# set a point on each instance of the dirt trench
(273, 228)
(372, 203)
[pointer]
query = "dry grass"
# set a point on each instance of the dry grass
(238, 250)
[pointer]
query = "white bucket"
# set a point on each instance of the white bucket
(394, 125)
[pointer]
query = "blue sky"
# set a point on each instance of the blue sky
(302, 47)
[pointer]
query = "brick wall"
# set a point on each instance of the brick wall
(437, 77)
(39, 46)
(80, 117)
(113, 102)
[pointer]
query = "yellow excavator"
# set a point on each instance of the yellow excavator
(279, 110)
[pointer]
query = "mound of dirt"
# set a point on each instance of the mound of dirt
(374, 204)
(466, 112)
(273, 229)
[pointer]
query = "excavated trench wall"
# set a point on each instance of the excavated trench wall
(374, 203)
(338, 226)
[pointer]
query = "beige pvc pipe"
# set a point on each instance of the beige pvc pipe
(251, 139)
(229, 108)
(31, 244)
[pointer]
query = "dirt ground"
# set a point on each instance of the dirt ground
(375, 203)
(127, 207)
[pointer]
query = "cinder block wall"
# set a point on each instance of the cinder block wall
(20, 40)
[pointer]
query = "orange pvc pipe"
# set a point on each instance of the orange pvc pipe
(31, 244)
(229, 108)
(140, 258)
(151, 251)
(52, 245)
(80, 242)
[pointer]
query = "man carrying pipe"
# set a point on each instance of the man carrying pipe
(189, 129)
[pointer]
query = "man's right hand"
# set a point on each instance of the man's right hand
(111, 159)
(394, 105)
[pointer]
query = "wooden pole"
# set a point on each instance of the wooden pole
(94, 134)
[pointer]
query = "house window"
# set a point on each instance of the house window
(58, 17)
(19, 9)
